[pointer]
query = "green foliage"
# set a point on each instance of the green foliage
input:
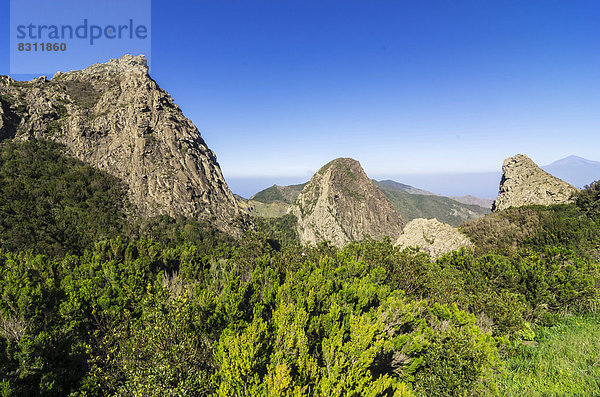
(145, 319)
(337, 329)
(167, 352)
(54, 204)
(588, 200)
(279, 231)
(535, 228)
(40, 353)
(177, 231)
(174, 307)
(563, 360)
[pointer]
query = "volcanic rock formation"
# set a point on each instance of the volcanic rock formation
(523, 183)
(341, 204)
(432, 236)
(115, 117)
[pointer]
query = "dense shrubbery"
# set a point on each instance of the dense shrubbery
(147, 319)
(54, 204)
(174, 307)
(143, 319)
(536, 227)
(588, 200)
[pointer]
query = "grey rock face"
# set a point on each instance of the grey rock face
(523, 183)
(432, 236)
(115, 117)
(341, 204)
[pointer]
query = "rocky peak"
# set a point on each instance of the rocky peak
(524, 183)
(341, 204)
(127, 64)
(432, 236)
(115, 117)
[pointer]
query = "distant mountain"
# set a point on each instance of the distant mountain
(407, 188)
(468, 199)
(275, 193)
(478, 184)
(575, 170)
(444, 209)
(272, 202)
(472, 200)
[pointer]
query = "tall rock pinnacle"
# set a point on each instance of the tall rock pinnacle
(341, 204)
(523, 183)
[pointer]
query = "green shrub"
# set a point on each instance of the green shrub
(54, 204)
(588, 200)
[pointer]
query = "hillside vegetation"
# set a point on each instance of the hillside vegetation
(284, 194)
(171, 307)
(54, 204)
(444, 209)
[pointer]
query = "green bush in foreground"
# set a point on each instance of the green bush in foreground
(144, 319)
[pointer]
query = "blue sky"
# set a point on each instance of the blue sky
(278, 88)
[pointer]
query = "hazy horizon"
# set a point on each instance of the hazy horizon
(483, 184)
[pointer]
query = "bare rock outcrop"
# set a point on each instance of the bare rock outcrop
(524, 183)
(115, 117)
(432, 236)
(341, 204)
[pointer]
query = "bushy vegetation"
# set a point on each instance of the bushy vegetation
(563, 360)
(588, 200)
(53, 204)
(173, 307)
(140, 318)
(536, 227)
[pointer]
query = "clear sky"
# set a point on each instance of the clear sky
(280, 87)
